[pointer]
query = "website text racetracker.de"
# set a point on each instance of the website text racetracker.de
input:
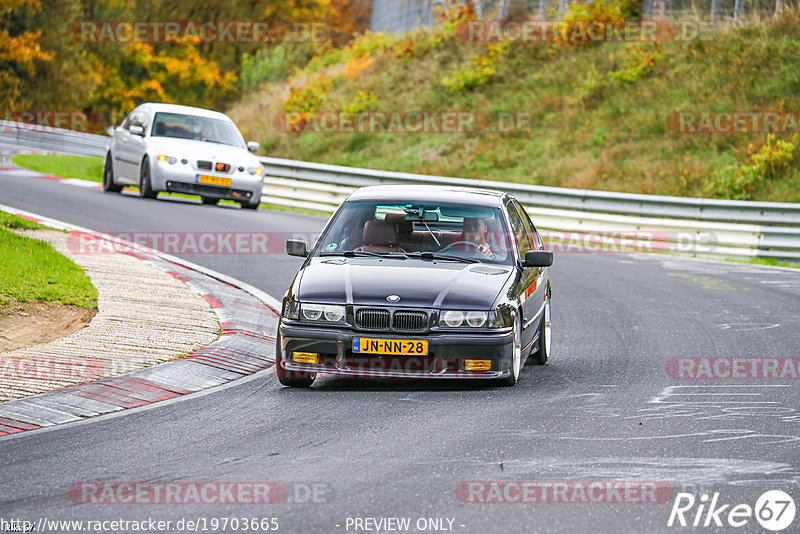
(196, 524)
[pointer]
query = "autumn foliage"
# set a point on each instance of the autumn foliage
(44, 67)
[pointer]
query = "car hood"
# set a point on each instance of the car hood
(418, 283)
(194, 150)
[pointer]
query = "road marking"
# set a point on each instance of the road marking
(673, 394)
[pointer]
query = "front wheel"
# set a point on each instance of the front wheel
(250, 205)
(145, 185)
(516, 358)
(540, 356)
(108, 177)
(292, 379)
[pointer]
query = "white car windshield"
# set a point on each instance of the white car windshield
(196, 128)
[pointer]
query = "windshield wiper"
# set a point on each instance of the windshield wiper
(362, 253)
(437, 256)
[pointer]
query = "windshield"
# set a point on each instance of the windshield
(195, 128)
(433, 230)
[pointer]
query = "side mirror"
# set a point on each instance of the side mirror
(296, 247)
(111, 131)
(253, 146)
(538, 258)
(137, 130)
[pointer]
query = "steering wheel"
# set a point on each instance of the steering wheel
(454, 243)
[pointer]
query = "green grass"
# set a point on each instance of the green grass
(12, 221)
(584, 129)
(290, 209)
(83, 167)
(32, 270)
(769, 261)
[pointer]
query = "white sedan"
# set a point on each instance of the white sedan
(181, 149)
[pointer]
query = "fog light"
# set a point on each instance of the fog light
(477, 365)
(305, 357)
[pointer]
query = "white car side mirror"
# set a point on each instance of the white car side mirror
(253, 146)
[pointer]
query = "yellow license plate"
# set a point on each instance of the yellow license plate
(213, 180)
(401, 347)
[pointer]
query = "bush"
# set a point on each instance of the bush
(635, 61)
(304, 99)
(478, 71)
(776, 159)
(274, 64)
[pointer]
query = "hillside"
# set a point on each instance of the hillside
(599, 116)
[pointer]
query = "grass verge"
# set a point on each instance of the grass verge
(32, 270)
(83, 167)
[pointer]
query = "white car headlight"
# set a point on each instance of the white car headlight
(169, 159)
(452, 318)
(476, 319)
(322, 312)
(466, 319)
(254, 170)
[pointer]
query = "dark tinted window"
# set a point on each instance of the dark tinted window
(519, 230)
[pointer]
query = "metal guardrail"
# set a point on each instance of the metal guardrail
(27, 136)
(694, 226)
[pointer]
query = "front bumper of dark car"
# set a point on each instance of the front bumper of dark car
(447, 353)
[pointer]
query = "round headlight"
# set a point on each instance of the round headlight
(311, 312)
(334, 314)
(453, 318)
(476, 318)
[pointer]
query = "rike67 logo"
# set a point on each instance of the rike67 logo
(774, 510)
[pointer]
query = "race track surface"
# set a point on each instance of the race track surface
(605, 407)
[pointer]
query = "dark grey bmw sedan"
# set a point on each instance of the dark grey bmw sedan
(418, 282)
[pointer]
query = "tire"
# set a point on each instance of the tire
(250, 205)
(292, 379)
(208, 201)
(145, 186)
(543, 352)
(108, 177)
(516, 360)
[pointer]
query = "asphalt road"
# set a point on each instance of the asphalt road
(603, 409)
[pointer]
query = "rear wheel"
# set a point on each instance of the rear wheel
(293, 379)
(145, 186)
(516, 358)
(108, 177)
(540, 356)
(208, 201)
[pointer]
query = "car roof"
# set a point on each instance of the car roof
(186, 110)
(429, 193)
